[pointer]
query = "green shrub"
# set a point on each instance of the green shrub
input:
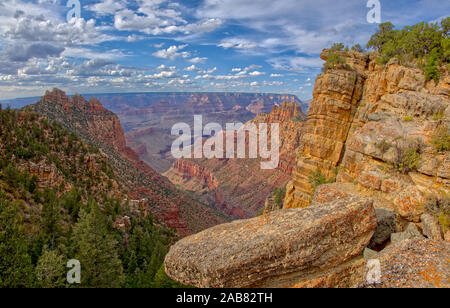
(383, 146)
(432, 66)
(425, 45)
(317, 178)
(444, 221)
(438, 116)
(441, 140)
(357, 48)
(408, 157)
(337, 47)
(335, 61)
(407, 119)
(297, 118)
(279, 195)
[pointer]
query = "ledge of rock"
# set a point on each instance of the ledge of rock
(288, 248)
(414, 263)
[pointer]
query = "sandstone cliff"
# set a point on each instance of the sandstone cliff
(375, 127)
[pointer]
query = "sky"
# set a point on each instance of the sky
(115, 46)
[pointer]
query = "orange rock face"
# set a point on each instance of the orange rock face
(336, 97)
(356, 131)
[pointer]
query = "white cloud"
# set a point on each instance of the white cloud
(276, 75)
(296, 64)
(107, 7)
(237, 43)
(273, 83)
(305, 26)
(164, 68)
(35, 28)
(134, 38)
(192, 68)
(256, 74)
(197, 60)
(156, 17)
(172, 52)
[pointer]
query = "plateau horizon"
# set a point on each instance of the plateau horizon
(189, 145)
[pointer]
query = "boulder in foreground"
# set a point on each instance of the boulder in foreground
(281, 249)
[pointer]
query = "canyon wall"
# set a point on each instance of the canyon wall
(102, 128)
(373, 126)
(239, 187)
(148, 118)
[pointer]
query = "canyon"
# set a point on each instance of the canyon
(102, 128)
(147, 118)
(375, 144)
(238, 186)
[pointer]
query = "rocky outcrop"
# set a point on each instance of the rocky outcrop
(336, 97)
(315, 246)
(372, 129)
(239, 187)
(430, 227)
(373, 126)
(414, 264)
(411, 232)
(387, 224)
(89, 117)
(46, 175)
(388, 221)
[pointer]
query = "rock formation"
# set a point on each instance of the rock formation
(102, 128)
(373, 126)
(313, 246)
(413, 264)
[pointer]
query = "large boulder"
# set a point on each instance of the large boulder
(283, 248)
(387, 219)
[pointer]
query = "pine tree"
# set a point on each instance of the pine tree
(51, 218)
(50, 270)
(384, 34)
(163, 281)
(144, 254)
(96, 249)
(432, 66)
(16, 269)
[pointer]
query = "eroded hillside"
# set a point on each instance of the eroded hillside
(92, 122)
(60, 199)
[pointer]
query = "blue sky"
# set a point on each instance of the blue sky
(200, 45)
